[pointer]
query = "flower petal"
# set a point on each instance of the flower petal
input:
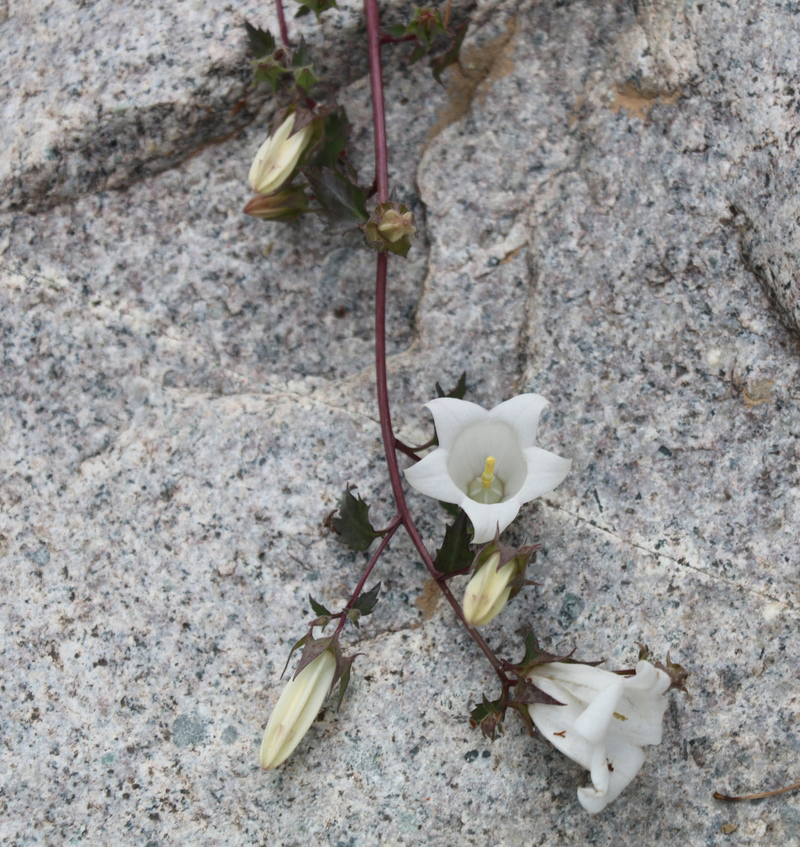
(451, 416)
(626, 760)
(522, 413)
(593, 723)
(546, 471)
(486, 517)
(430, 476)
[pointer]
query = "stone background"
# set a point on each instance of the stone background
(609, 217)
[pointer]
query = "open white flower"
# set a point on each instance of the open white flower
(604, 722)
(487, 462)
(296, 709)
(278, 156)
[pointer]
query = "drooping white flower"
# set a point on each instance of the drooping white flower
(487, 462)
(296, 709)
(604, 722)
(278, 156)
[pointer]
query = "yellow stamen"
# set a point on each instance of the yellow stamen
(488, 473)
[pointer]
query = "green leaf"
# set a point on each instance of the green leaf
(260, 40)
(417, 53)
(458, 392)
(315, 6)
(440, 63)
(451, 508)
(489, 717)
(304, 77)
(336, 128)
(366, 602)
(352, 526)
(455, 555)
(396, 31)
(318, 608)
(343, 203)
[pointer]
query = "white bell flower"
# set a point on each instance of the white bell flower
(604, 722)
(296, 709)
(278, 156)
(487, 462)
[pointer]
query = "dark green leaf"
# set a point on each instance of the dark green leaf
(335, 137)
(366, 602)
(451, 508)
(397, 31)
(440, 63)
(455, 555)
(316, 6)
(458, 392)
(352, 525)
(260, 41)
(318, 608)
(417, 53)
(343, 203)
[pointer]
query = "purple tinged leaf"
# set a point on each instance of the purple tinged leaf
(366, 602)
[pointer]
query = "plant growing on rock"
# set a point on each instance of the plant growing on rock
(484, 463)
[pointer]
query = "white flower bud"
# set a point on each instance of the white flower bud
(296, 710)
(604, 722)
(278, 156)
(488, 590)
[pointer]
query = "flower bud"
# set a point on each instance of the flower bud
(296, 710)
(286, 204)
(394, 225)
(390, 228)
(489, 589)
(278, 157)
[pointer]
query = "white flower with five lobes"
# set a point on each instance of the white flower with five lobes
(604, 723)
(487, 462)
(488, 590)
(296, 709)
(278, 156)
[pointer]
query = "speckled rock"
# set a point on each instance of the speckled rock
(187, 391)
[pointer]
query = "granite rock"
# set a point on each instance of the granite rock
(187, 391)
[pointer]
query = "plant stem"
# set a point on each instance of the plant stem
(382, 182)
(282, 23)
(390, 531)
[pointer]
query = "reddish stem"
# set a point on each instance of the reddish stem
(282, 23)
(388, 533)
(382, 182)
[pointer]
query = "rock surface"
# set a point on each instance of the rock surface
(606, 193)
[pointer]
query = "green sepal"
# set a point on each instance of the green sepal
(303, 67)
(295, 646)
(489, 717)
(268, 70)
(313, 647)
(452, 509)
(455, 555)
(352, 526)
(344, 680)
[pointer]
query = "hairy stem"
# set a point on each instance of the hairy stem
(389, 441)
